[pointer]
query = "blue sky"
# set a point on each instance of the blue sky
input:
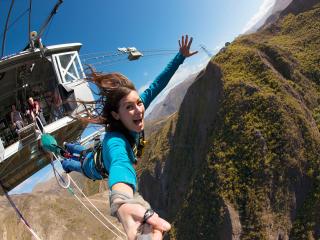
(103, 26)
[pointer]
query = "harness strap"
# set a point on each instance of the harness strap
(138, 148)
(97, 158)
(83, 171)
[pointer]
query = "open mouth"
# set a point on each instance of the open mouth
(138, 121)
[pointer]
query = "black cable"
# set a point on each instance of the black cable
(113, 62)
(16, 20)
(53, 12)
(111, 54)
(29, 23)
(103, 56)
(48, 30)
(5, 29)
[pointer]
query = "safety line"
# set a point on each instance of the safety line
(23, 220)
(94, 214)
(67, 186)
(95, 206)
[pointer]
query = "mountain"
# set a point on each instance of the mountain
(241, 159)
(54, 217)
(172, 101)
(55, 214)
(270, 14)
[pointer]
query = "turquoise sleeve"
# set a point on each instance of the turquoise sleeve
(117, 162)
(162, 80)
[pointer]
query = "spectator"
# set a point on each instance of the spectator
(34, 110)
(16, 118)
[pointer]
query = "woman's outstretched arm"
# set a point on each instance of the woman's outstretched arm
(164, 77)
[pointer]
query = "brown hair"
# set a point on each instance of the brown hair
(112, 88)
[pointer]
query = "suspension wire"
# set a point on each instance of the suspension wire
(108, 61)
(48, 30)
(103, 56)
(53, 12)
(113, 62)
(6, 28)
(20, 216)
(159, 54)
(29, 23)
(109, 54)
(160, 50)
(16, 20)
(148, 50)
(96, 53)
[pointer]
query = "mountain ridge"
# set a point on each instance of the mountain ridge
(249, 168)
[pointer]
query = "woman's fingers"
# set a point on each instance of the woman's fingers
(159, 223)
(193, 53)
(157, 234)
(190, 42)
(185, 45)
(131, 216)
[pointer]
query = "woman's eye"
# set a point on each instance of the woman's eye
(129, 107)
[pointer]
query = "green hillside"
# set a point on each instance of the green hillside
(259, 176)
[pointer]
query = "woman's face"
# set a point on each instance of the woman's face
(131, 112)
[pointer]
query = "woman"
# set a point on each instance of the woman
(123, 114)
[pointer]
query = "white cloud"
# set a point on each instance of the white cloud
(145, 74)
(262, 12)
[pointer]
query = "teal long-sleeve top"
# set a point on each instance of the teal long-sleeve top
(117, 154)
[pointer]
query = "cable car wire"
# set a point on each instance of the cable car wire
(5, 29)
(16, 20)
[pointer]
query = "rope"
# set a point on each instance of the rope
(20, 216)
(72, 192)
(56, 174)
(67, 186)
(95, 207)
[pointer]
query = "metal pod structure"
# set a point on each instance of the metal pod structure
(133, 53)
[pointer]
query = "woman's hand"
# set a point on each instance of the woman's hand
(131, 216)
(185, 45)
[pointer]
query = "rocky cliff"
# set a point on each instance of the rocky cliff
(241, 158)
(172, 101)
